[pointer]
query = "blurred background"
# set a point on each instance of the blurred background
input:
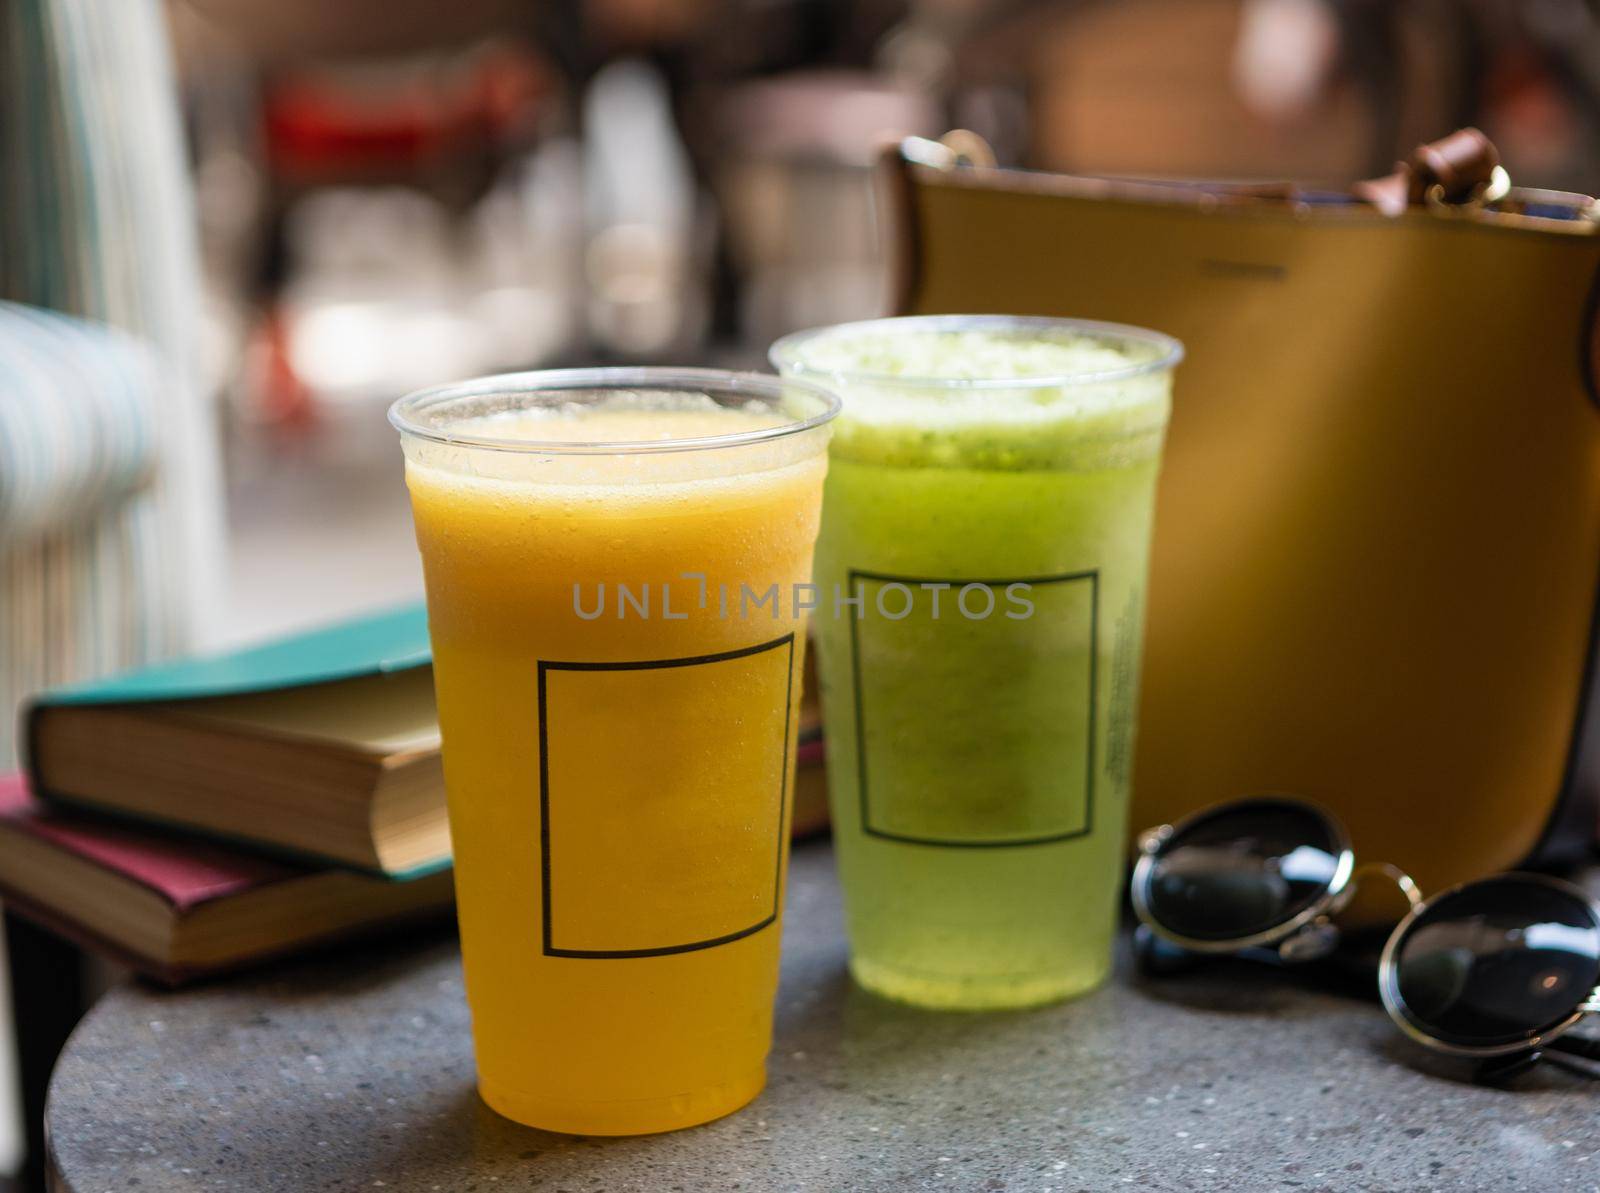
(393, 193)
(309, 208)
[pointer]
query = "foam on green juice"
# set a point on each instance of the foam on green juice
(1086, 406)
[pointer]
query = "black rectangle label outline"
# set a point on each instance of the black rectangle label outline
(544, 668)
(1093, 576)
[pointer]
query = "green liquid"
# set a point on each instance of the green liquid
(978, 767)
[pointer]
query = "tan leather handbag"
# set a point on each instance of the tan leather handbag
(1378, 531)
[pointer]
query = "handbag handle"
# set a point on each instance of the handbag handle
(1462, 169)
(1457, 175)
(1459, 170)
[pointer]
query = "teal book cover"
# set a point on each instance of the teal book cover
(395, 640)
(392, 642)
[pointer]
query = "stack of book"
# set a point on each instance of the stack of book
(202, 816)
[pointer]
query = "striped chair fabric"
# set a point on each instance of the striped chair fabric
(110, 501)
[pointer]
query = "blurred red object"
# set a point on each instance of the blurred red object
(361, 121)
(283, 400)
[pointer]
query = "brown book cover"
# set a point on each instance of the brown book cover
(175, 908)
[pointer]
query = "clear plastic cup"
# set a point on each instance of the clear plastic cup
(619, 754)
(987, 521)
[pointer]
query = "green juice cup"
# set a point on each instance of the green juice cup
(981, 572)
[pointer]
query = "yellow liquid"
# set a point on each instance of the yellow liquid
(620, 967)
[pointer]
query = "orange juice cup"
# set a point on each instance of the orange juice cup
(618, 696)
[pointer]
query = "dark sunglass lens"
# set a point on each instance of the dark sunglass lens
(1242, 870)
(1497, 961)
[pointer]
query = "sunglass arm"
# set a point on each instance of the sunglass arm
(1580, 1046)
(1563, 1051)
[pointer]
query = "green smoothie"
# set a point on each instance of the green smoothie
(986, 529)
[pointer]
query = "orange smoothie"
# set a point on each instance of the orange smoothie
(619, 750)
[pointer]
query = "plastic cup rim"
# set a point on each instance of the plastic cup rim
(404, 411)
(786, 353)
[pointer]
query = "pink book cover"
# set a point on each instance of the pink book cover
(184, 873)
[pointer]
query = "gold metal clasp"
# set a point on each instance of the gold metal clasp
(1483, 195)
(958, 147)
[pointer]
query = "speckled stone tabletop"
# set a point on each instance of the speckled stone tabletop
(354, 1071)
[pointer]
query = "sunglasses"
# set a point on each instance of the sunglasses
(1497, 971)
